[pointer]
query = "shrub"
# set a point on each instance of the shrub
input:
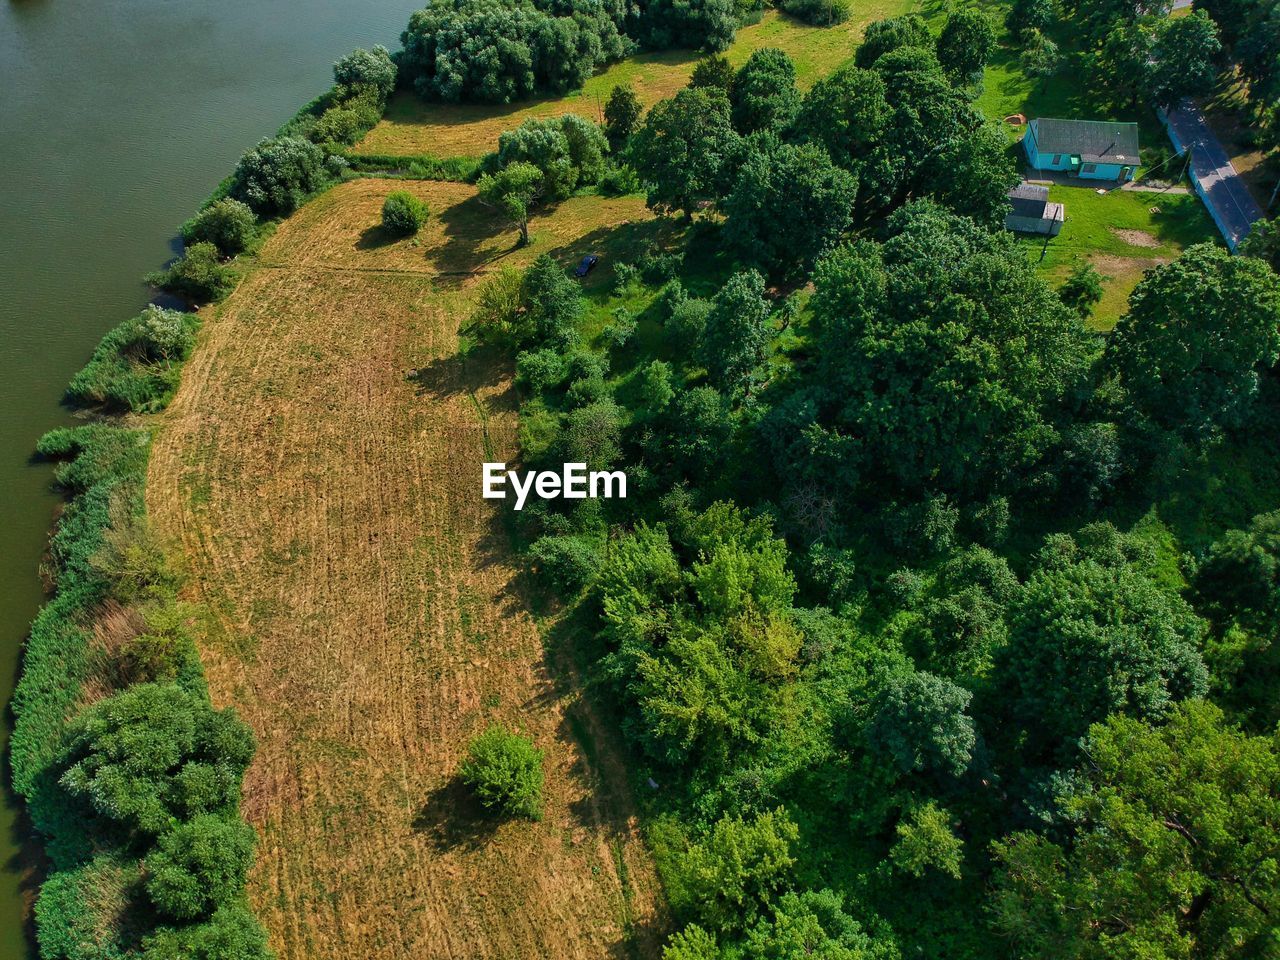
(366, 68)
(712, 71)
(403, 213)
(136, 365)
(618, 180)
(275, 176)
(199, 866)
(822, 13)
(228, 224)
(339, 125)
(199, 275)
(505, 771)
(570, 563)
(621, 114)
(232, 933)
(568, 150)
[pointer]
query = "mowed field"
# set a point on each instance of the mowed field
(321, 468)
(412, 127)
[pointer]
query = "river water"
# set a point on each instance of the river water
(117, 117)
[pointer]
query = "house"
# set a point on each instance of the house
(1032, 212)
(1090, 149)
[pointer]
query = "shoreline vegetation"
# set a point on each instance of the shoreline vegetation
(829, 623)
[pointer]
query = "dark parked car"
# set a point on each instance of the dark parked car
(587, 265)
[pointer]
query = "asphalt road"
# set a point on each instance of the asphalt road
(1225, 193)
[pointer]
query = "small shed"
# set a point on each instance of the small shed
(1031, 212)
(1090, 149)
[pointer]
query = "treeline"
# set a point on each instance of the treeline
(944, 627)
(130, 775)
(496, 51)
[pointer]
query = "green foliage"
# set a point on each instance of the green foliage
(813, 924)
(511, 191)
(199, 275)
(733, 341)
(228, 224)
(1240, 577)
(821, 13)
(763, 94)
(1198, 333)
(847, 113)
(926, 842)
(921, 724)
(713, 70)
(277, 175)
(972, 175)
(684, 149)
(403, 213)
(787, 208)
(501, 52)
(569, 151)
(199, 865)
(1175, 850)
(622, 112)
(505, 771)
(569, 562)
(232, 933)
(366, 68)
(154, 755)
(967, 41)
(552, 305)
(883, 36)
(1082, 289)
(902, 378)
(1186, 58)
(732, 876)
(136, 365)
(1030, 15)
(1092, 633)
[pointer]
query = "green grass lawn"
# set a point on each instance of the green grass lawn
(1121, 236)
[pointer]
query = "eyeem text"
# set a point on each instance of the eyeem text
(573, 482)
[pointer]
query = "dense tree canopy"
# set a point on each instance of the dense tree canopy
(686, 148)
(568, 150)
(1175, 854)
(763, 94)
(1198, 333)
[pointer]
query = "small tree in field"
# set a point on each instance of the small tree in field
(621, 115)
(505, 771)
(403, 213)
(512, 191)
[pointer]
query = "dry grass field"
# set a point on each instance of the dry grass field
(321, 469)
(470, 130)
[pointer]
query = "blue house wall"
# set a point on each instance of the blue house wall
(1062, 161)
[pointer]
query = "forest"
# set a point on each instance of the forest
(935, 624)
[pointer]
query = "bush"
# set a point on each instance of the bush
(199, 275)
(505, 771)
(570, 563)
(366, 68)
(822, 13)
(199, 866)
(136, 365)
(403, 213)
(569, 151)
(277, 175)
(618, 180)
(228, 224)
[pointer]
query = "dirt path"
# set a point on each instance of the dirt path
(320, 466)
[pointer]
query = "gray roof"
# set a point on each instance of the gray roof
(1096, 141)
(1029, 200)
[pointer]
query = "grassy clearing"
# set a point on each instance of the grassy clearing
(1120, 235)
(444, 130)
(320, 464)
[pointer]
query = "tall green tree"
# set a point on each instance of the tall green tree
(966, 43)
(788, 207)
(512, 192)
(1198, 335)
(199, 866)
(737, 332)
(622, 112)
(1176, 852)
(685, 148)
(883, 36)
(763, 94)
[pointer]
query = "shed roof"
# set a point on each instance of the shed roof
(1096, 141)
(1029, 200)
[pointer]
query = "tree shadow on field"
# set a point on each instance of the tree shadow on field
(453, 819)
(374, 237)
(468, 226)
(451, 376)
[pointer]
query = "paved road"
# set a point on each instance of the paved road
(1229, 201)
